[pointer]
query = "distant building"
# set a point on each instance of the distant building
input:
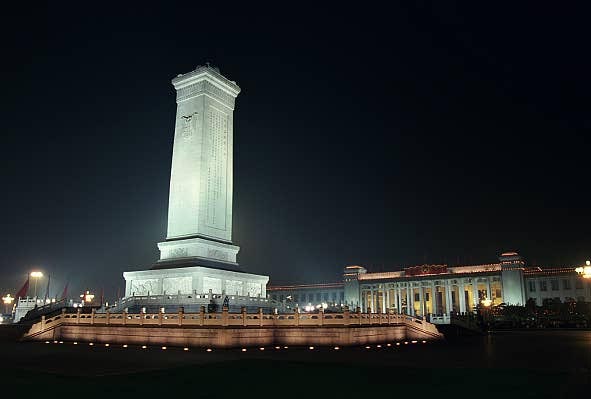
(438, 290)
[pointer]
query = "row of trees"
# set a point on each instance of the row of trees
(552, 313)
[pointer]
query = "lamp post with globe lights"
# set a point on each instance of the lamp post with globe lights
(585, 271)
(36, 276)
(7, 302)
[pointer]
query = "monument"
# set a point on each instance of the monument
(198, 259)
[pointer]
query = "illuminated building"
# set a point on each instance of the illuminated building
(437, 291)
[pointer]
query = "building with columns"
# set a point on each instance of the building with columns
(437, 291)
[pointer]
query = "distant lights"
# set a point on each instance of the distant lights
(277, 347)
(368, 347)
(397, 343)
(107, 345)
(90, 344)
(47, 342)
(285, 347)
(405, 342)
(388, 344)
(55, 342)
(424, 341)
(414, 342)
(75, 343)
(379, 346)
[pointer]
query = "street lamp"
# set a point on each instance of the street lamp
(36, 276)
(585, 272)
(87, 297)
(7, 302)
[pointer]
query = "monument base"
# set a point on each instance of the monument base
(185, 281)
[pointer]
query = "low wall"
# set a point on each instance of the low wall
(233, 329)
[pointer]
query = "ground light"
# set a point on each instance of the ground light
(75, 343)
(164, 348)
(208, 350)
(336, 348)
(243, 349)
(144, 346)
(311, 348)
(379, 346)
(185, 349)
(90, 344)
(262, 349)
(125, 345)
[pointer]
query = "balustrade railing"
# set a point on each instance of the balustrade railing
(227, 319)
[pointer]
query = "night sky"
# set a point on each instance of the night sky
(364, 135)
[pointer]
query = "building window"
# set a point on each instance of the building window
(426, 296)
(318, 297)
(498, 293)
(342, 296)
(543, 285)
(532, 286)
(417, 297)
(554, 284)
(325, 296)
(566, 284)
(578, 284)
(310, 298)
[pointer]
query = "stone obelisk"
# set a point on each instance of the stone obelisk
(198, 256)
(200, 201)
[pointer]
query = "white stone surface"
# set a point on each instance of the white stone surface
(201, 179)
(194, 280)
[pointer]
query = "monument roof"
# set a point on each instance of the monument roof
(184, 79)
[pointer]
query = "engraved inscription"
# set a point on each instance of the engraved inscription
(217, 169)
(189, 124)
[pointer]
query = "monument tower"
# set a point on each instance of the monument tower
(200, 201)
(198, 256)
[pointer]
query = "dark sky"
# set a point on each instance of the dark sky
(384, 137)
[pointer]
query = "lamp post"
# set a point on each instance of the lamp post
(36, 276)
(585, 271)
(7, 302)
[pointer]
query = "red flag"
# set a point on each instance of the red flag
(23, 291)
(65, 292)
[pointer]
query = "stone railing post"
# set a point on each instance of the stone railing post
(142, 315)
(297, 317)
(124, 317)
(108, 317)
(78, 316)
(92, 317)
(160, 317)
(358, 315)
(243, 313)
(181, 315)
(260, 317)
(202, 315)
(225, 316)
(321, 316)
(42, 323)
(346, 316)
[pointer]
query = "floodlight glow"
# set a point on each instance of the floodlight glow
(36, 274)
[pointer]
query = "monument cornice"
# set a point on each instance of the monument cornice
(206, 73)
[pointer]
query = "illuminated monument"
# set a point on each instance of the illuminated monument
(198, 257)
